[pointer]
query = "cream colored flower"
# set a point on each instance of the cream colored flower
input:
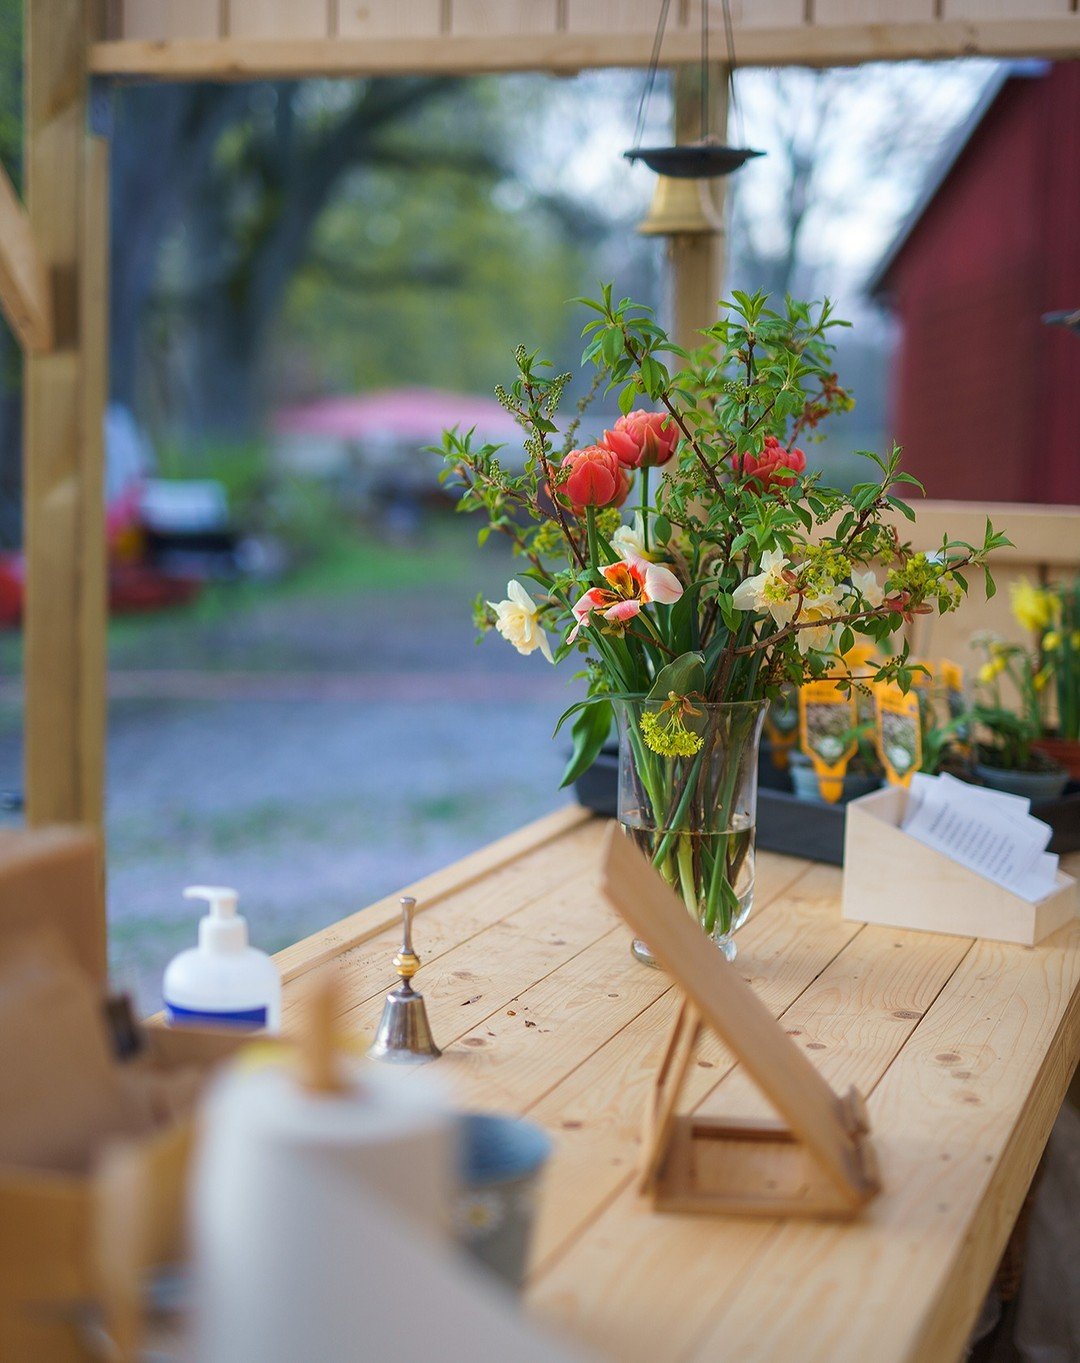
(821, 637)
(868, 588)
(769, 590)
(517, 622)
(629, 540)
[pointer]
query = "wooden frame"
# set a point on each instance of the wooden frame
(57, 279)
(817, 1161)
(25, 295)
(65, 609)
(245, 39)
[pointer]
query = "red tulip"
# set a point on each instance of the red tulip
(593, 477)
(773, 467)
(642, 439)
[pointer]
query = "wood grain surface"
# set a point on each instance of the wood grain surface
(965, 1049)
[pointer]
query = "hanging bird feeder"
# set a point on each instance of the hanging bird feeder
(682, 204)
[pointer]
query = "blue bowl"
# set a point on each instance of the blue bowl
(500, 1160)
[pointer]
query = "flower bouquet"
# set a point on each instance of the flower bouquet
(693, 563)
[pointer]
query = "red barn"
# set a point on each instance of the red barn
(986, 396)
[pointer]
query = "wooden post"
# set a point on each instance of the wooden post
(697, 262)
(65, 614)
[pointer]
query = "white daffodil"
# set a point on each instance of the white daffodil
(768, 590)
(818, 636)
(629, 540)
(517, 621)
(867, 587)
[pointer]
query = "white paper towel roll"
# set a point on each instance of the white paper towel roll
(284, 1190)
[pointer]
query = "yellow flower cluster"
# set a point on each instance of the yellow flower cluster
(994, 668)
(1052, 640)
(608, 520)
(667, 735)
(821, 569)
(925, 578)
(1034, 608)
(548, 539)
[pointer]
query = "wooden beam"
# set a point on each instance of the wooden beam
(65, 617)
(697, 262)
(793, 45)
(92, 645)
(24, 285)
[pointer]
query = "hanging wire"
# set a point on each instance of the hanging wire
(706, 158)
(704, 81)
(650, 81)
(733, 103)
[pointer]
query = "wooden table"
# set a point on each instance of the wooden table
(964, 1048)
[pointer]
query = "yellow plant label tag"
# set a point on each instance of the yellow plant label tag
(923, 681)
(782, 727)
(827, 721)
(859, 658)
(858, 662)
(899, 733)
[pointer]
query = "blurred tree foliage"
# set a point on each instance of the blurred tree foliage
(11, 89)
(275, 240)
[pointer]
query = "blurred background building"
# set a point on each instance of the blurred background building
(984, 390)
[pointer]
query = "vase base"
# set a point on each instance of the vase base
(640, 951)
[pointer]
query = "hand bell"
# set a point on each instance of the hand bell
(404, 1034)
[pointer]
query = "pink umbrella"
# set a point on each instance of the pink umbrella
(407, 415)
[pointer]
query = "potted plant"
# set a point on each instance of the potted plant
(1052, 613)
(735, 573)
(863, 774)
(1006, 729)
(779, 740)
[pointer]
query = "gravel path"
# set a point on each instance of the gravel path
(310, 810)
(315, 754)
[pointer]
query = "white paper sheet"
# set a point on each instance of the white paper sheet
(988, 831)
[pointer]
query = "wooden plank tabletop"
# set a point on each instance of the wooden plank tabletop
(964, 1049)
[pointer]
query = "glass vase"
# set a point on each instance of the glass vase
(688, 798)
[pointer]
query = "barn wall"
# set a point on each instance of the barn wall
(985, 391)
(1059, 350)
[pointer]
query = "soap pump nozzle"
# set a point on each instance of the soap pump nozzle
(222, 929)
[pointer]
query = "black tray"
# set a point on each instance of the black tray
(597, 788)
(799, 828)
(803, 828)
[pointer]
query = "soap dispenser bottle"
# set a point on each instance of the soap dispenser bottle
(223, 982)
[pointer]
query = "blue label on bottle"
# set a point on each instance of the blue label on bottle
(244, 1019)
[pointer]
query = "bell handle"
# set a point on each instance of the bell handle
(408, 909)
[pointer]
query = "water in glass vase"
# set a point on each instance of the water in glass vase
(691, 807)
(712, 872)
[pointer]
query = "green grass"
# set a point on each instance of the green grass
(349, 562)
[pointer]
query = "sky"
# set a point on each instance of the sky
(871, 135)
